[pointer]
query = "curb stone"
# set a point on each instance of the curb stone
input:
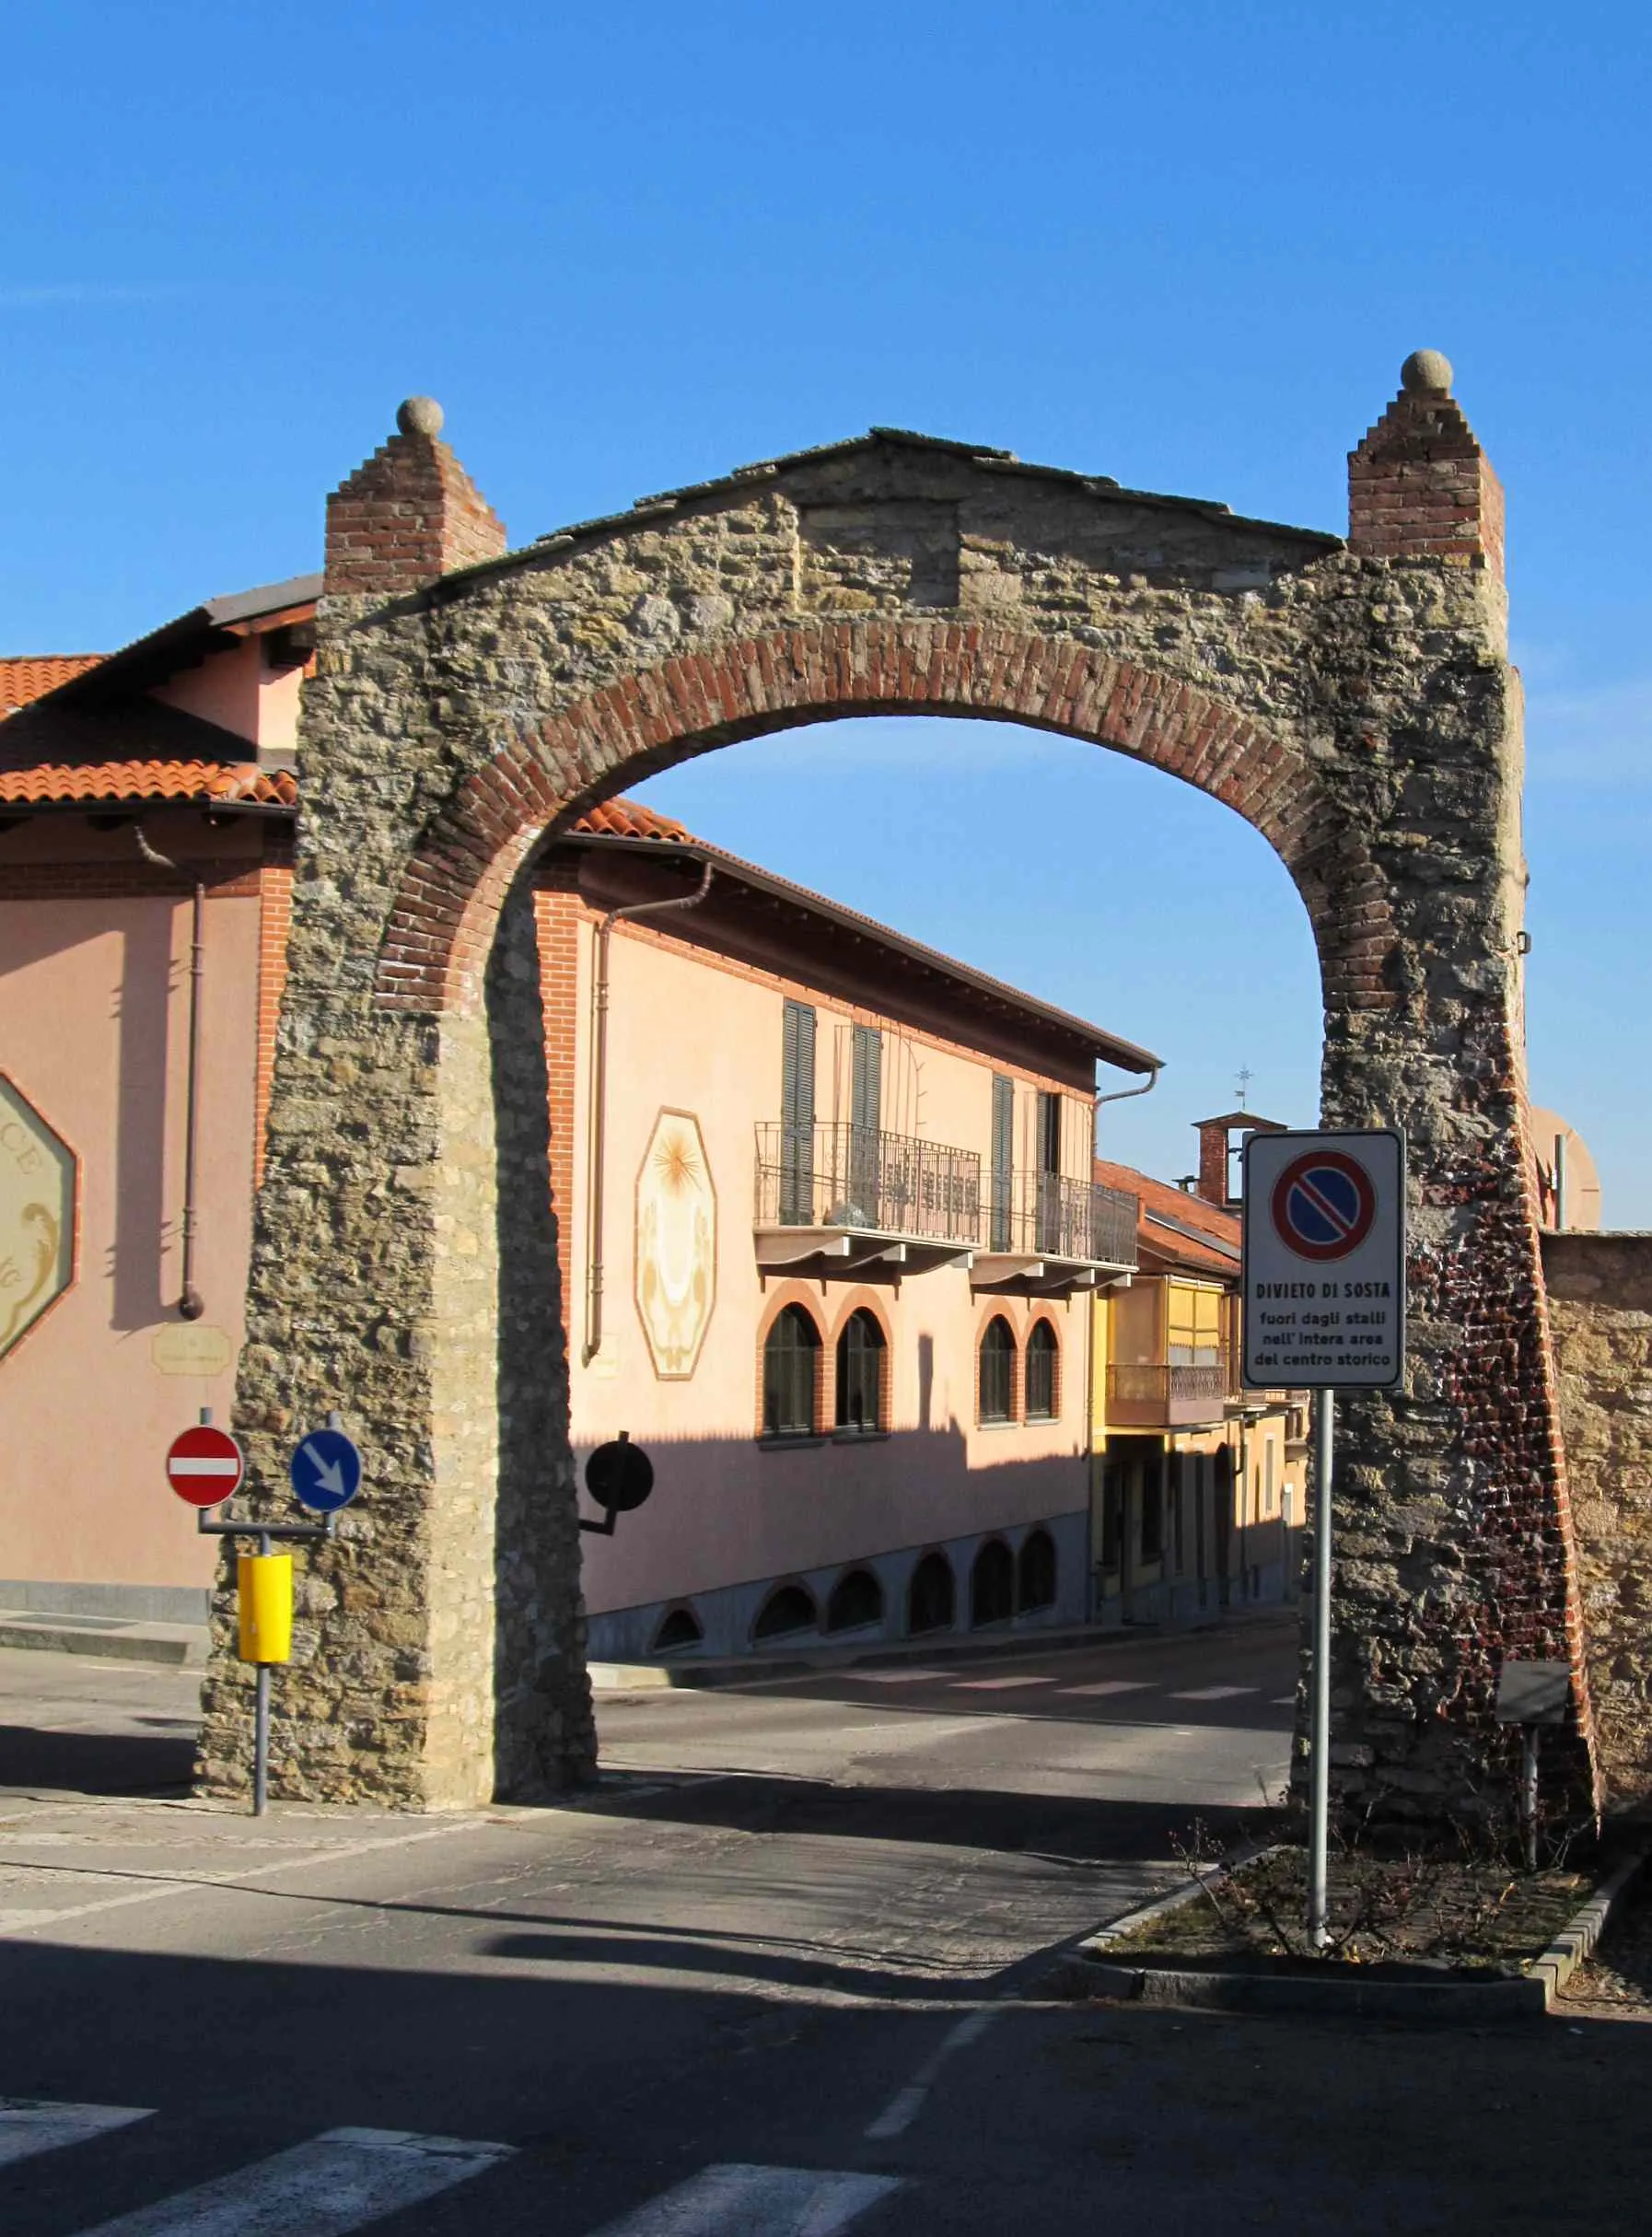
(1086, 1975)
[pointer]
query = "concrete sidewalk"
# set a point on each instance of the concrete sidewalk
(113, 1639)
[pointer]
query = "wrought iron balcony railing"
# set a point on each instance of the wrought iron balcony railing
(1047, 1215)
(1156, 1395)
(836, 1175)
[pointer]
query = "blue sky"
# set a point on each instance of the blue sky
(630, 247)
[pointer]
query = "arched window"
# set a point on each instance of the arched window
(1035, 1572)
(997, 1370)
(791, 1374)
(992, 1585)
(930, 1597)
(679, 1628)
(787, 1608)
(860, 1351)
(856, 1599)
(1043, 1354)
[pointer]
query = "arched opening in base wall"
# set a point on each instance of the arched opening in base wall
(992, 1585)
(931, 1596)
(1035, 1573)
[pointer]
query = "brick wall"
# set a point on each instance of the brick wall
(409, 514)
(275, 923)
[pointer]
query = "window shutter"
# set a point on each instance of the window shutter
(798, 1115)
(1003, 1116)
(865, 1093)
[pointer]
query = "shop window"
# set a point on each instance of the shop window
(788, 1608)
(931, 1596)
(679, 1628)
(992, 1585)
(791, 1374)
(856, 1600)
(860, 1352)
(997, 1370)
(1043, 1354)
(1035, 1572)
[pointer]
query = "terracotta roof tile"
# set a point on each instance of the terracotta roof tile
(624, 819)
(54, 782)
(30, 676)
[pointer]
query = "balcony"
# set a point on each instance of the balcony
(1048, 1236)
(1163, 1397)
(856, 1197)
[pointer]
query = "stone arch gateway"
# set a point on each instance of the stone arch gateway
(1351, 698)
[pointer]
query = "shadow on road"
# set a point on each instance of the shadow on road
(1065, 1829)
(38, 1760)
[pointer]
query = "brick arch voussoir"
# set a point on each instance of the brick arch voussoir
(441, 925)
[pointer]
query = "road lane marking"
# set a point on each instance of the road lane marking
(1111, 1685)
(999, 1686)
(738, 2201)
(332, 2183)
(1215, 1693)
(27, 2126)
(905, 2105)
(894, 1677)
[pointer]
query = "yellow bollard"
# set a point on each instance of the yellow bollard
(265, 1585)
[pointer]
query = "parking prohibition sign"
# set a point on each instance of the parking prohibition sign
(1323, 1260)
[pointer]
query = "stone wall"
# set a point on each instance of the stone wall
(1600, 1304)
(1355, 706)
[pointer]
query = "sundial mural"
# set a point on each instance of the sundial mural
(37, 1175)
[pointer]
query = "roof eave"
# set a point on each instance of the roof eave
(1107, 1048)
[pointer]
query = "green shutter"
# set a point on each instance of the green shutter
(1003, 1119)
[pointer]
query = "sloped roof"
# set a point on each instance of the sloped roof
(218, 624)
(1176, 1229)
(53, 755)
(1094, 1039)
(30, 676)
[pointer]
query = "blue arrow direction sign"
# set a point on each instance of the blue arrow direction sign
(326, 1471)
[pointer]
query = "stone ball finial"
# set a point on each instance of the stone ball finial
(423, 415)
(1426, 373)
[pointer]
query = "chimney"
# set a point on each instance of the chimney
(1213, 1160)
(409, 514)
(1419, 485)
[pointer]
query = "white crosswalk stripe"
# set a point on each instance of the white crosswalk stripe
(27, 2126)
(1215, 1693)
(997, 1686)
(333, 2184)
(1109, 1685)
(757, 2202)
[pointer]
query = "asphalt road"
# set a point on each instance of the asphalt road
(777, 1976)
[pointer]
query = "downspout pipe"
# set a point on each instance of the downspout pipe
(1127, 1095)
(191, 1304)
(597, 1123)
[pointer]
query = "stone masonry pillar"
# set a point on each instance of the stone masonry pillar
(1453, 1531)
(453, 1581)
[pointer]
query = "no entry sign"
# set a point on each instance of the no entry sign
(1323, 1271)
(205, 1465)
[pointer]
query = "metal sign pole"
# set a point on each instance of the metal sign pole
(260, 1724)
(1320, 1732)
